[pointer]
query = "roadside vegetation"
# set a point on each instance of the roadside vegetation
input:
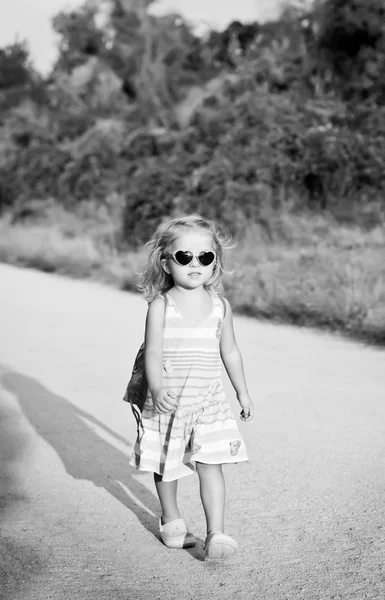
(276, 130)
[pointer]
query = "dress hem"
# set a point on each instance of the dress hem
(192, 471)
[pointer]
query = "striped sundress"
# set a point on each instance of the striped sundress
(203, 427)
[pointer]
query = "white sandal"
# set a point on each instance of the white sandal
(175, 534)
(219, 547)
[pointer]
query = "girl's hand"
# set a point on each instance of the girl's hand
(247, 412)
(165, 400)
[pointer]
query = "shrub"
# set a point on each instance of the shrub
(151, 195)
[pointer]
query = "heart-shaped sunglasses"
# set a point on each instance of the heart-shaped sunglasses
(185, 257)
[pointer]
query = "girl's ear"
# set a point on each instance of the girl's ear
(163, 262)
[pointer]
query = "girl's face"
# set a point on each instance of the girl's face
(194, 274)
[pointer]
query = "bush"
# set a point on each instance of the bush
(151, 195)
(352, 41)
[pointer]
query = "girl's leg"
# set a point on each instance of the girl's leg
(212, 491)
(173, 530)
(218, 546)
(167, 491)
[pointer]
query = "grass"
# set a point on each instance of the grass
(304, 269)
(319, 274)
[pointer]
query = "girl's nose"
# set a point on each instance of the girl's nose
(194, 262)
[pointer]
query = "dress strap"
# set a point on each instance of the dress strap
(166, 299)
(221, 298)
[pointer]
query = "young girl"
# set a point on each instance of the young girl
(187, 422)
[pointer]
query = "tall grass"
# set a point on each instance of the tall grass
(304, 269)
(319, 274)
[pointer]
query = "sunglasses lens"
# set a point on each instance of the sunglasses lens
(206, 258)
(183, 257)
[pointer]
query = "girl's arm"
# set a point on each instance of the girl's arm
(233, 363)
(164, 399)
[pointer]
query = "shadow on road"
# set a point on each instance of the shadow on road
(18, 560)
(12, 448)
(85, 455)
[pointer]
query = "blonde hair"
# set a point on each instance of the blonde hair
(154, 280)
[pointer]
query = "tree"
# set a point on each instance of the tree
(15, 66)
(18, 79)
(79, 37)
(351, 40)
(153, 57)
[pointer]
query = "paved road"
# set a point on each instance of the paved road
(78, 523)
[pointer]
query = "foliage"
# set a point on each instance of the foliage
(80, 37)
(296, 117)
(18, 80)
(352, 41)
(14, 66)
(152, 194)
